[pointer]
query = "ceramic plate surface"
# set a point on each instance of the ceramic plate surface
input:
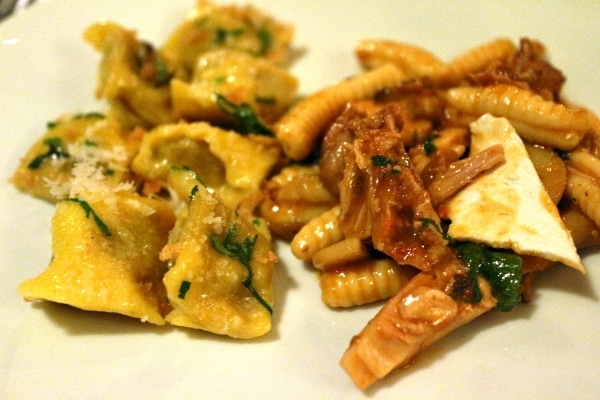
(548, 349)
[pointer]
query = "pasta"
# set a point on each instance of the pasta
(264, 86)
(300, 129)
(362, 282)
(69, 140)
(526, 108)
(217, 298)
(585, 192)
(119, 273)
(317, 234)
(414, 61)
(479, 58)
(363, 165)
(136, 99)
(438, 189)
(232, 165)
(155, 209)
(343, 252)
(292, 198)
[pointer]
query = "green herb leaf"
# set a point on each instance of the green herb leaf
(89, 115)
(162, 75)
(428, 221)
(55, 151)
(565, 156)
(156, 68)
(428, 146)
(502, 271)
(222, 35)
(266, 100)
(89, 211)
(242, 251)
(183, 289)
(266, 41)
(382, 161)
(193, 193)
(244, 115)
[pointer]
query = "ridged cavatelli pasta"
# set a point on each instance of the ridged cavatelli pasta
(479, 58)
(293, 198)
(302, 126)
(345, 252)
(562, 139)
(317, 234)
(584, 231)
(551, 169)
(585, 192)
(518, 104)
(286, 218)
(585, 162)
(304, 187)
(363, 283)
(415, 61)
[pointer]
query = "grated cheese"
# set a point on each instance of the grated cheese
(216, 221)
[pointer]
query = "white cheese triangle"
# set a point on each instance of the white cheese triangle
(509, 207)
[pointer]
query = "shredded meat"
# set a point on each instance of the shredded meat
(462, 172)
(418, 105)
(420, 314)
(528, 68)
(334, 148)
(383, 200)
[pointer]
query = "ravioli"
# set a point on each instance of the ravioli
(209, 289)
(45, 171)
(232, 165)
(241, 79)
(135, 99)
(106, 259)
(509, 207)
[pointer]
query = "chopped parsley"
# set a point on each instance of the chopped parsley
(183, 289)
(565, 156)
(89, 211)
(193, 192)
(501, 270)
(162, 74)
(55, 151)
(244, 115)
(90, 115)
(152, 67)
(428, 146)
(265, 100)
(428, 221)
(382, 161)
(266, 41)
(193, 176)
(222, 35)
(242, 251)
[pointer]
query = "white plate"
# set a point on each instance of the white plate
(547, 349)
